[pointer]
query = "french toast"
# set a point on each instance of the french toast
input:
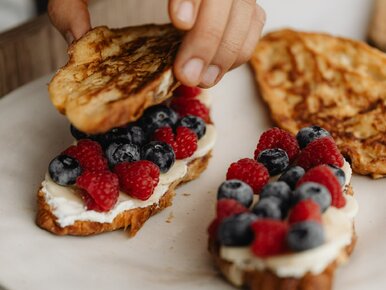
(113, 75)
(285, 227)
(332, 82)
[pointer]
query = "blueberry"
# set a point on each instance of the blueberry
(280, 190)
(160, 153)
(236, 189)
(275, 160)
(305, 235)
(236, 230)
(122, 151)
(309, 134)
(137, 134)
(77, 134)
(196, 124)
(64, 170)
(339, 173)
(119, 134)
(292, 175)
(316, 192)
(269, 207)
(156, 117)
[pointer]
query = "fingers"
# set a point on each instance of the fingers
(70, 17)
(183, 13)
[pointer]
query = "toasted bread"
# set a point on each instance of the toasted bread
(336, 83)
(114, 74)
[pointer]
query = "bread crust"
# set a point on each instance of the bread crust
(130, 220)
(113, 75)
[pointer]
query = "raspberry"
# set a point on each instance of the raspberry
(249, 171)
(138, 179)
(190, 106)
(278, 138)
(320, 151)
(89, 153)
(213, 228)
(270, 237)
(184, 142)
(305, 210)
(323, 175)
(101, 189)
(227, 207)
(187, 92)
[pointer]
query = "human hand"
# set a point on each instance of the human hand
(221, 34)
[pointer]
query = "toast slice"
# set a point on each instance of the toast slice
(113, 75)
(332, 82)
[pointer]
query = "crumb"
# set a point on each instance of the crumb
(170, 217)
(186, 194)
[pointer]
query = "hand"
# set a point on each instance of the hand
(221, 34)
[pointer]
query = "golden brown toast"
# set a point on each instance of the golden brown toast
(114, 74)
(336, 83)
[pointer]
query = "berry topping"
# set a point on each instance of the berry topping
(269, 207)
(64, 170)
(160, 153)
(305, 235)
(249, 171)
(213, 228)
(137, 134)
(77, 134)
(322, 174)
(292, 175)
(101, 189)
(194, 107)
(228, 207)
(278, 138)
(186, 92)
(236, 230)
(236, 189)
(270, 237)
(194, 123)
(122, 151)
(157, 117)
(339, 173)
(184, 142)
(308, 134)
(138, 179)
(89, 155)
(280, 190)
(305, 210)
(315, 191)
(276, 160)
(120, 134)
(320, 151)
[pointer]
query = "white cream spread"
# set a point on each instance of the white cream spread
(338, 225)
(68, 207)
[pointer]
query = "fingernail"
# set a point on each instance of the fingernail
(211, 75)
(69, 37)
(193, 69)
(185, 12)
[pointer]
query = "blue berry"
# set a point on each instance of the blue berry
(292, 175)
(160, 153)
(64, 170)
(236, 189)
(269, 207)
(156, 117)
(77, 134)
(308, 134)
(305, 235)
(236, 230)
(275, 160)
(194, 123)
(137, 134)
(280, 190)
(122, 151)
(315, 191)
(339, 173)
(119, 134)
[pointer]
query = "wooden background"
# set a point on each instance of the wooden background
(35, 48)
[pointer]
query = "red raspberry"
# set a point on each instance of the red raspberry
(305, 210)
(270, 237)
(249, 171)
(213, 227)
(227, 207)
(187, 92)
(184, 142)
(138, 179)
(101, 189)
(323, 175)
(320, 151)
(89, 153)
(278, 138)
(190, 106)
